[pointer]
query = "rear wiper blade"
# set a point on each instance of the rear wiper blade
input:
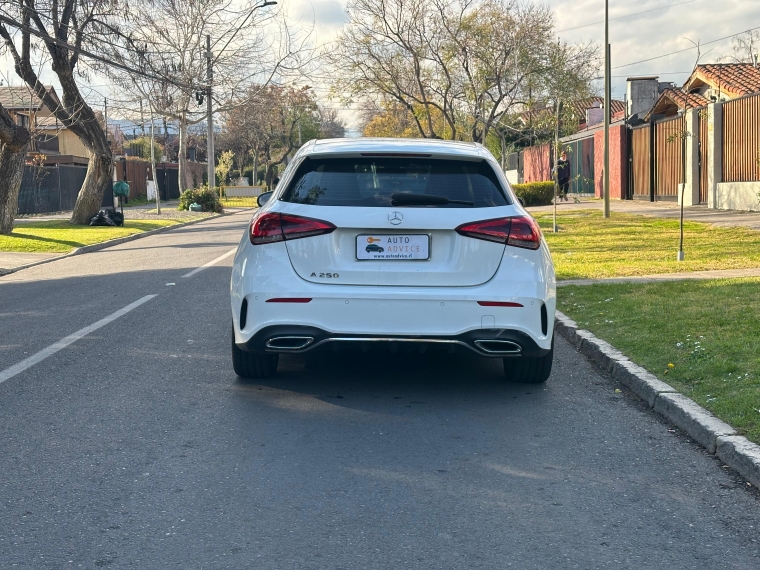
(424, 199)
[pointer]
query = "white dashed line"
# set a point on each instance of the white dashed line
(210, 263)
(38, 357)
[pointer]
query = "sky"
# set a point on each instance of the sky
(656, 28)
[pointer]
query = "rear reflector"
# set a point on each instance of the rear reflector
(519, 231)
(289, 300)
(274, 227)
(399, 154)
(498, 304)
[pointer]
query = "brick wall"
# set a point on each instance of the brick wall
(537, 164)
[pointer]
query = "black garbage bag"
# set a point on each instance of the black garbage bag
(102, 219)
(116, 217)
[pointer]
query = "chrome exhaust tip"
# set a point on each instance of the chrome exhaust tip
(289, 342)
(498, 346)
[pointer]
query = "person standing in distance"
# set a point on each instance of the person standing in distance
(563, 176)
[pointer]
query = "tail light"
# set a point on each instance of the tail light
(520, 231)
(274, 227)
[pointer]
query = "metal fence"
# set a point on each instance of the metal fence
(704, 158)
(46, 189)
(741, 139)
(580, 154)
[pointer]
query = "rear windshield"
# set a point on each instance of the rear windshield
(378, 182)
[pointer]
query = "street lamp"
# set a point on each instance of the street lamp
(209, 107)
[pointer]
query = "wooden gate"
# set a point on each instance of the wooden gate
(640, 161)
(741, 139)
(668, 157)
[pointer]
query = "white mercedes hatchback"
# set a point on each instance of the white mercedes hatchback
(397, 244)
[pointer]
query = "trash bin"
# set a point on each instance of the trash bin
(121, 189)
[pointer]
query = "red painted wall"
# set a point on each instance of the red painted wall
(618, 162)
(537, 164)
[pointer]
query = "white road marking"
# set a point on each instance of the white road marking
(210, 263)
(38, 357)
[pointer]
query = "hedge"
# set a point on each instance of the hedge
(208, 199)
(535, 193)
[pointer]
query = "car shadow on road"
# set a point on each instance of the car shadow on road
(353, 379)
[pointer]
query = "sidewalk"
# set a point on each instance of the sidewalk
(723, 218)
(170, 205)
(11, 260)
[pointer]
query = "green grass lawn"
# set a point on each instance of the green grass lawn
(708, 330)
(589, 246)
(62, 237)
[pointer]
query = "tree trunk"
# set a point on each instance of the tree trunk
(182, 155)
(99, 176)
(255, 165)
(11, 172)
(14, 141)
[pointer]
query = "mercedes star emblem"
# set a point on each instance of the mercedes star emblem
(395, 218)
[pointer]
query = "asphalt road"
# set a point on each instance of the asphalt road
(136, 446)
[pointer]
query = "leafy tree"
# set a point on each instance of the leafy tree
(272, 122)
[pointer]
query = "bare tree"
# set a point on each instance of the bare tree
(63, 29)
(166, 40)
(457, 67)
(745, 48)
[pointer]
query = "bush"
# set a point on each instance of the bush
(535, 193)
(208, 199)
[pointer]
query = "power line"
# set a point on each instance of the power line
(61, 43)
(101, 39)
(626, 16)
(687, 49)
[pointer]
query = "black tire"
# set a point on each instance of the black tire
(251, 365)
(529, 370)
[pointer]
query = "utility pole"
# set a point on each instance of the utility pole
(558, 110)
(153, 158)
(210, 118)
(607, 105)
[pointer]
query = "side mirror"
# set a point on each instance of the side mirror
(263, 198)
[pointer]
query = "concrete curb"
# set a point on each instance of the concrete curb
(715, 435)
(107, 244)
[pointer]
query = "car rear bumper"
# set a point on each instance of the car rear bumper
(298, 339)
(400, 318)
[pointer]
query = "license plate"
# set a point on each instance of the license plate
(407, 247)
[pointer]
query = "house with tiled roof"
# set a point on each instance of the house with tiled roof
(708, 83)
(723, 81)
(587, 112)
(48, 135)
